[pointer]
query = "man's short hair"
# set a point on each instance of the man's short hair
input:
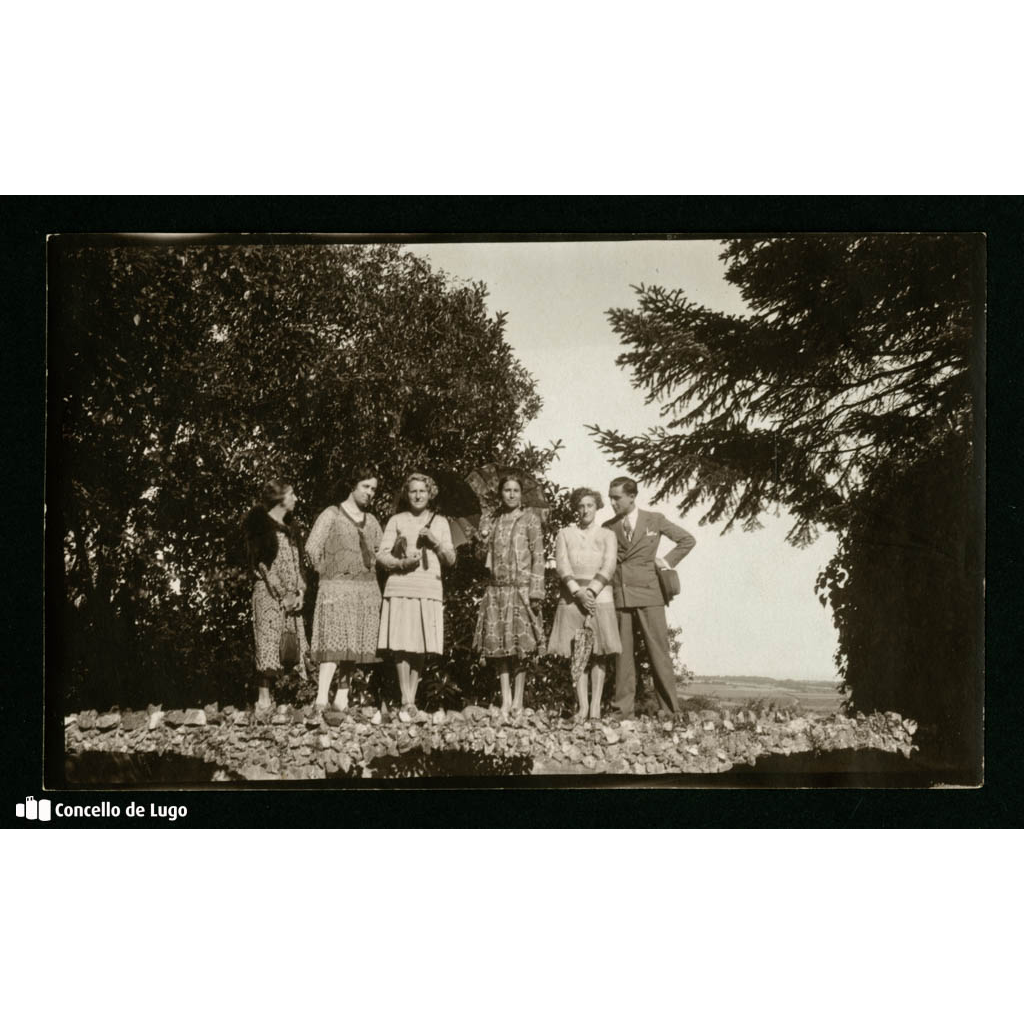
(627, 485)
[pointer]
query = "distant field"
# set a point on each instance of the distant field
(815, 695)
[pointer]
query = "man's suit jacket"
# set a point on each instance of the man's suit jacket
(635, 584)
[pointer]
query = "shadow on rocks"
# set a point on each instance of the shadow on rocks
(96, 767)
(441, 764)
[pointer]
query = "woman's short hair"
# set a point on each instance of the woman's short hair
(347, 482)
(402, 505)
(628, 486)
(504, 479)
(586, 492)
(273, 493)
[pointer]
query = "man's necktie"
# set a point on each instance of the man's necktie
(627, 531)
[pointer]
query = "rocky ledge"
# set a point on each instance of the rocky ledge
(300, 743)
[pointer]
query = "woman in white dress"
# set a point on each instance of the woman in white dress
(585, 556)
(416, 543)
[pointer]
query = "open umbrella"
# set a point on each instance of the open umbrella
(484, 483)
(457, 500)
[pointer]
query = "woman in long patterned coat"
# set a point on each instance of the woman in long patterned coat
(278, 588)
(342, 547)
(509, 627)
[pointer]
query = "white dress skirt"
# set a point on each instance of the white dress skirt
(412, 615)
(412, 624)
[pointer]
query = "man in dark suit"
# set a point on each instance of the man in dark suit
(638, 600)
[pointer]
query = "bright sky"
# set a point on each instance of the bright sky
(747, 605)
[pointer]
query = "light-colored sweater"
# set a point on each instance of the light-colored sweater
(423, 581)
(585, 557)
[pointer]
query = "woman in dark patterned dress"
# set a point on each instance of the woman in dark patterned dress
(509, 627)
(279, 589)
(342, 547)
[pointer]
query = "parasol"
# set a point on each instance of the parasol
(484, 483)
(582, 648)
(458, 502)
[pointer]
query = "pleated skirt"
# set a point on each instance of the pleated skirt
(569, 618)
(412, 624)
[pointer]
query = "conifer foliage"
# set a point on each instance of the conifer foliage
(844, 395)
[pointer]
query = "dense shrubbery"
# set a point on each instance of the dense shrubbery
(902, 585)
(184, 376)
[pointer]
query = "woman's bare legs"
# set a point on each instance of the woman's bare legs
(410, 670)
(264, 700)
(581, 694)
(402, 670)
(501, 667)
(415, 664)
(344, 675)
(517, 700)
(324, 682)
(597, 674)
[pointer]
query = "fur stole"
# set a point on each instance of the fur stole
(260, 540)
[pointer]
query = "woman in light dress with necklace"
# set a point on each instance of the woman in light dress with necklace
(416, 543)
(585, 556)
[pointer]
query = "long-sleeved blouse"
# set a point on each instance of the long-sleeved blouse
(424, 580)
(586, 556)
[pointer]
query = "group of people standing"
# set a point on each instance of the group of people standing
(609, 593)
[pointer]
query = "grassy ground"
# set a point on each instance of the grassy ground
(822, 697)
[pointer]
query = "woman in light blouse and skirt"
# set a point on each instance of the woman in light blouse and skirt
(585, 556)
(412, 616)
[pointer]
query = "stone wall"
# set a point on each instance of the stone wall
(299, 743)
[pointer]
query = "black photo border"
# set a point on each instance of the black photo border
(28, 221)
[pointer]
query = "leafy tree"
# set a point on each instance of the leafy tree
(850, 372)
(186, 375)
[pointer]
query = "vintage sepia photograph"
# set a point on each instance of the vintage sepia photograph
(333, 511)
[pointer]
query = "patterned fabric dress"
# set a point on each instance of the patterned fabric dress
(506, 627)
(280, 579)
(347, 614)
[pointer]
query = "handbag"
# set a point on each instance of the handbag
(668, 580)
(400, 547)
(289, 651)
